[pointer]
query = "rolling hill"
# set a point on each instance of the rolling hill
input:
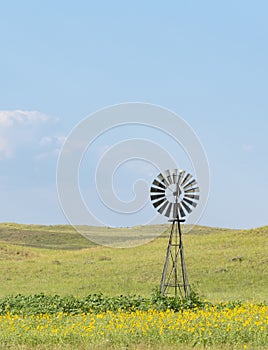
(222, 264)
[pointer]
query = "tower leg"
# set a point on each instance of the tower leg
(186, 285)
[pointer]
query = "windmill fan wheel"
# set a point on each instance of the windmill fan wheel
(174, 193)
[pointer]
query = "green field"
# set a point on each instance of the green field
(223, 266)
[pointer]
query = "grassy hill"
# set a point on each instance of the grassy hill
(222, 264)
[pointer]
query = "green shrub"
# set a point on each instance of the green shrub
(46, 304)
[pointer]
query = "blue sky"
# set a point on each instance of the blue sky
(206, 61)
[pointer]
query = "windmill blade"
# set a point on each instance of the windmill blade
(158, 190)
(159, 184)
(163, 207)
(181, 175)
(186, 179)
(159, 202)
(194, 204)
(192, 190)
(157, 196)
(168, 177)
(175, 175)
(190, 184)
(193, 196)
(182, 213)
(186, 207)
(167, 213)
(162, 179)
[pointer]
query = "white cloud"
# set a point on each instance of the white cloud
(48, 140)
(51, 146)
(29, 133)
(19, 117)
(61, 139)
(45, 140)
(50, 154)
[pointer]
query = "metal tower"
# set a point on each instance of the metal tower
(174, 194)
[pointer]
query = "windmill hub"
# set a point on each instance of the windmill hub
(177, 192)
(173, 194)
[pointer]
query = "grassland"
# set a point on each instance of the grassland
(222, 264)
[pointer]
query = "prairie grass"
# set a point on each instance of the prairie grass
(222, 264)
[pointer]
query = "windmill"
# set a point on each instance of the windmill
(174, 194)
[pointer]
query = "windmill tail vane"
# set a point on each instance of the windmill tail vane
(175, 194)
